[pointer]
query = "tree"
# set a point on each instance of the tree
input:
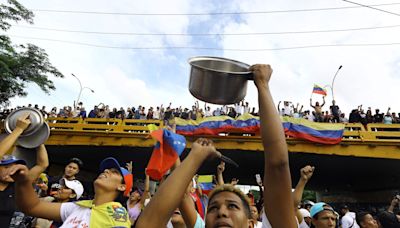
(21, 64)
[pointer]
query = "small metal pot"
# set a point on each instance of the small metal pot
(218, 80)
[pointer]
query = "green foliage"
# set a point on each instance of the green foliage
(21, 64)
(309, 195)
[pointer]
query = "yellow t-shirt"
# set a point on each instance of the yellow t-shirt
(111, 214)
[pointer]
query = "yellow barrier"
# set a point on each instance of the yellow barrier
(103, 125)
(353, 131)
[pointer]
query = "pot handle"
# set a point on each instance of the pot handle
(250, 76)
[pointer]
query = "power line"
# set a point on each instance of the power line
(206, 34)
(372, 7)
(209, 48)
(205, 13)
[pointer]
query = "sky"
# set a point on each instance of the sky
(299, 44)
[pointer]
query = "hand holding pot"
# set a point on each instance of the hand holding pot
(262, 74)
(23, 122)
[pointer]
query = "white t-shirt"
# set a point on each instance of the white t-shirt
(258, 225)
(207, 113)
(266, 224)
(303, 224)
(73, 215)
(287, 110)
(156, 114)
(239, 109)
(349, 220)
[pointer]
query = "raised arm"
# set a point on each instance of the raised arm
(323, 101)
(301, 109)
(311, 103)
(146, 190)
(187, 208)
(171, 192)
(7, 143)
(277, 195)
(42, 162)
(220, 171)
(305, 175)
(26, 198)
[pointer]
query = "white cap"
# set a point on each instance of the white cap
(304, 212)
(74, 185)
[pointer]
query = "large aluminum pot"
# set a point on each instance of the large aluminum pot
(218, 80)
(37, 132)
(35, 116)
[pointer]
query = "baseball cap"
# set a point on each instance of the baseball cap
(11, 159)
(318, 207)
(74, 185)
(111, 162)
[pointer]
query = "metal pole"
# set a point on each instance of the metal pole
(80, 90)
(333, 81)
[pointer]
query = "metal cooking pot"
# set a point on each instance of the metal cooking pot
(35, 140)
(37, 132)
(35, 116)
(218, 80)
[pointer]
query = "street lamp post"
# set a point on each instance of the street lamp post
(333, 81)
(80, 90)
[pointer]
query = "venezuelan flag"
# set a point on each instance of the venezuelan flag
(319, 90)
(325, 133)
(205, 182)
(168, 148)
(214, 125)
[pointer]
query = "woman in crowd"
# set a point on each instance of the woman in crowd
(137, 198)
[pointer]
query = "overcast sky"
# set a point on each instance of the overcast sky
(126, 77)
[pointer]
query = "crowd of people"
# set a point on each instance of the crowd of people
(178, 200)
(333, 114)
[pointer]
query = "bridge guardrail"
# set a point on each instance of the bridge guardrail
(352, 132)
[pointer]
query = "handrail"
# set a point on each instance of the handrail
(352, 132)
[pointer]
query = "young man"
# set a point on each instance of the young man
(366, 220)
(7, 192)
(70, 171)
(323, 216)
(66, 191)
(228, 206)
(102, 211)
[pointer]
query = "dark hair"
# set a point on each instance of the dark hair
(360, 216)
(77, 161)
